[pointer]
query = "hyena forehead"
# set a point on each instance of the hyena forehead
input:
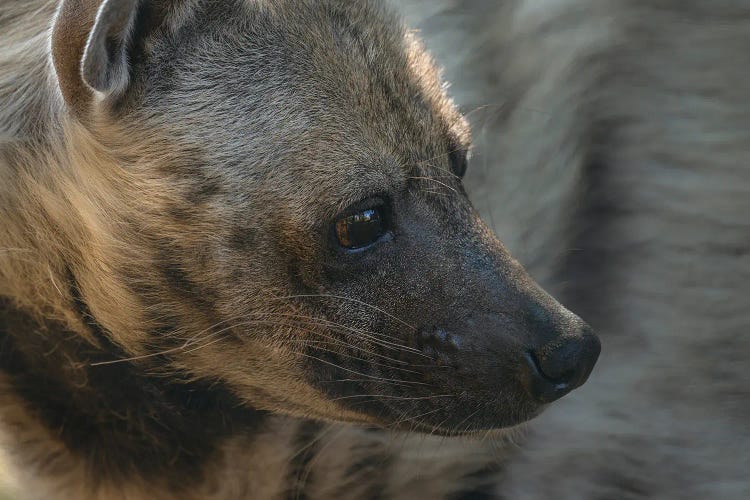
(314, 90)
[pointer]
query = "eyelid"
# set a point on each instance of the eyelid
(371, 202)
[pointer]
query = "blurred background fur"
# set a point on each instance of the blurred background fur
(612, 142)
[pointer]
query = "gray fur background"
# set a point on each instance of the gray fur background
(612, 147)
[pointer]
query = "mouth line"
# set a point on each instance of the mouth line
(398, 411)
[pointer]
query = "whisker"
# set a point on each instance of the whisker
(219, 323)
(190, 341)
(404, 383)
(374, 336)
(456, 428)
(339, 297)
(374, 363)
(402, 421)
(430, 191)
(199, 337)
(136, 358)
(387, 396)
(441, 155)
(204, 345)
(334, 341)
(432, 179)
(366, 376)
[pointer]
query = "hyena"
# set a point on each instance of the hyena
(612, 140)
(238, 260)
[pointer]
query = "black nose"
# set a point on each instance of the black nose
(559, 367)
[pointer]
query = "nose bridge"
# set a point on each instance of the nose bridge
(512, 292)
(499, 285)
(499, 324)
(548, 321)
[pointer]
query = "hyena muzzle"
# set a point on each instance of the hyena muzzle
(224, 210)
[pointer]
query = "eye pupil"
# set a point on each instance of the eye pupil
(360, 229)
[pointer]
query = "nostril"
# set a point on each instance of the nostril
(559, 380)
(558, 362)
(559, 367)
(538, 384)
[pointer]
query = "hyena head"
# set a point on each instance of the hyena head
(275, 203)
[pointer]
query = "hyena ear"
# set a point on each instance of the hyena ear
(91, 43)
(105, 60)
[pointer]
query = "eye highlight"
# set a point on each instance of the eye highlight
(361, 229)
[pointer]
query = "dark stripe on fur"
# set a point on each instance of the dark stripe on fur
(306, 445)
(372, 469)
(157, 428)
(592, 224)
(481, 485)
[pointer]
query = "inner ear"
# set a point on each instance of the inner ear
(93, 44)
(105, 62)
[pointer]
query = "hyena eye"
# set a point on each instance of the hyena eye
(459, 161)
(361, 229)
(458, 155)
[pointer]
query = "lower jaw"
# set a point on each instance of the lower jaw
(464, 430)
